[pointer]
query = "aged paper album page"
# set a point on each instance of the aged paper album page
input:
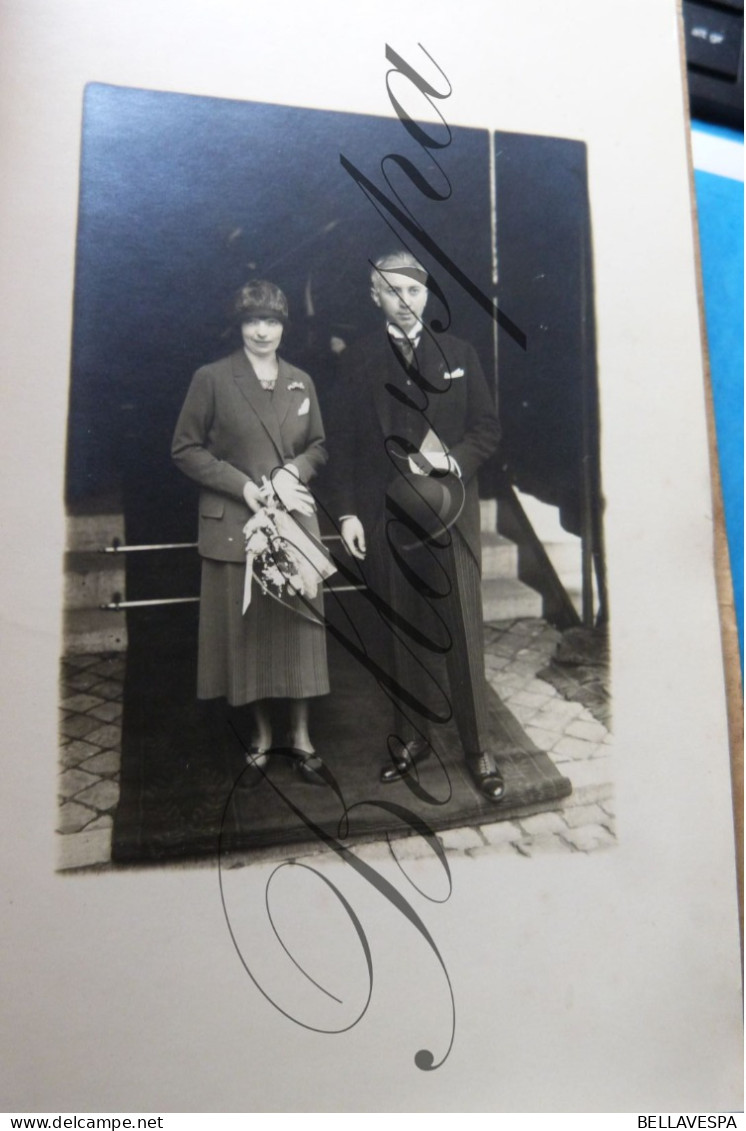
(155, 156)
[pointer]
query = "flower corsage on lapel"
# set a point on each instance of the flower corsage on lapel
(299, 387)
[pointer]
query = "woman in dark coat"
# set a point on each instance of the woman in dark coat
(248, 420)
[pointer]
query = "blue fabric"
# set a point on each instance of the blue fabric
(724, 132)
(720, 209)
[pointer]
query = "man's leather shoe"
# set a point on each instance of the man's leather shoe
(416, 750)
(487, 777)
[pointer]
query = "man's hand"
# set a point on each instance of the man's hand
(353, 537)
(437, 463)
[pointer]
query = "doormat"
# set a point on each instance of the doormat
(181, 762)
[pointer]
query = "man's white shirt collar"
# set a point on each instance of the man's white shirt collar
(397, 333)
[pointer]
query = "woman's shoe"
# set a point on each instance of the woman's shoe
(256, 761)
(309, 766)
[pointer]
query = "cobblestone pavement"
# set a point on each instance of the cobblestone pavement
(90, 751)
(90, 746)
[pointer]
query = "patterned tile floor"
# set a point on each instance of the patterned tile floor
(90, 746)
(90, 749)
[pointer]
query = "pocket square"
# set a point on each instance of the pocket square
(454, 374)
(303, 410)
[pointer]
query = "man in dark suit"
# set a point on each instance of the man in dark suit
(416, 404)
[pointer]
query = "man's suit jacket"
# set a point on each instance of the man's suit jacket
(456, 404)
(230, 431)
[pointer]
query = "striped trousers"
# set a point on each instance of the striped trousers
(436, 592)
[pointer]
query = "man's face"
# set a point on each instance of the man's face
(401, 298)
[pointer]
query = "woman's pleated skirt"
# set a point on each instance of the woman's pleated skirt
(269, 652)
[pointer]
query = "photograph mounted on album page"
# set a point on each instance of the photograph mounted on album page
(359, 593)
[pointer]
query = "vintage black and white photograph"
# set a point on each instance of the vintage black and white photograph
(365, 738)
(334, 560)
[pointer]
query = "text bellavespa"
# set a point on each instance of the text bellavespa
(698, 1121)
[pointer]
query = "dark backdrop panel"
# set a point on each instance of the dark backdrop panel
(548, 394)
(182, 199)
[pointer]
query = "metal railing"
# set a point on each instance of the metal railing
(117, 604)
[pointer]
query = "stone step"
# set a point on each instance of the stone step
(505, 598)
(94, 630)
(499, 556)
(488, 515)
(91, 532)
(92, 579)
(565, 557)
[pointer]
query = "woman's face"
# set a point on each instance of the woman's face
(261, 336)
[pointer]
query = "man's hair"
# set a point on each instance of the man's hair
(394, 259)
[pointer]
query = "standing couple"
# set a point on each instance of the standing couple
(416, 421)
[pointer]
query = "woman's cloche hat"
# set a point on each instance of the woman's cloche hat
(260, 299)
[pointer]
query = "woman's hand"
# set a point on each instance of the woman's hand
(353, 536)
(288, 488)
(253, 496)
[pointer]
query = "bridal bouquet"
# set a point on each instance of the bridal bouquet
(283, 558)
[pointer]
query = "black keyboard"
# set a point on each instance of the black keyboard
(714, 60)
